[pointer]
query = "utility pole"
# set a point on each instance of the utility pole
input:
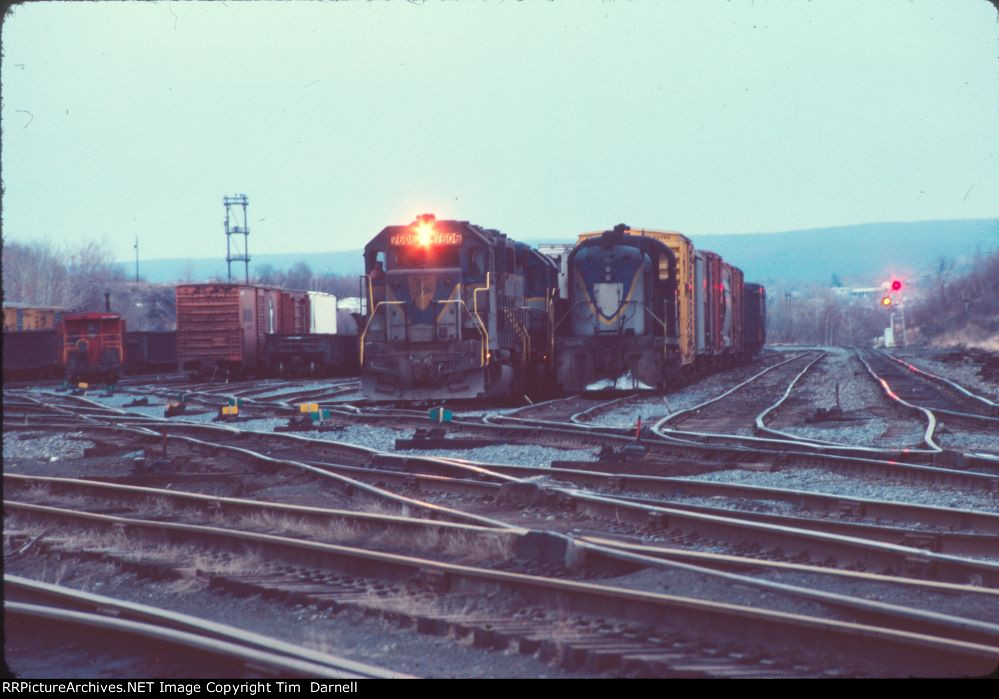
(136, 259)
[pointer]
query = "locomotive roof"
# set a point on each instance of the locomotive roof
(622, 236)
(489, 236)
(631, 230)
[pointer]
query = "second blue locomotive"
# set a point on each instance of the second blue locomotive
(622, 318)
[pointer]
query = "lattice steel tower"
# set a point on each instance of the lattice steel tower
(232, 228)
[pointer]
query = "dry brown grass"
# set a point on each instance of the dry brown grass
(431, 540)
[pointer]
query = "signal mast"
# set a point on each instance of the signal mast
(888, 301)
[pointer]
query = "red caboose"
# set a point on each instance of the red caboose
(93, 346)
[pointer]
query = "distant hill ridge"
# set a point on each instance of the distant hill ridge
(856, 253)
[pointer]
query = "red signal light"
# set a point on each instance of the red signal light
(886, 301)
(896, 285)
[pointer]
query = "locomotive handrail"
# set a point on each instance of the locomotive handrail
(374, 312)
(475, 304)
(367, 325)
(551, 326)
(482, 328)
(657, 318)
(461, 302)
(565, 315)
(371, 291)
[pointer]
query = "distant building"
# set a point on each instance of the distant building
(859, 293)
(349, 303)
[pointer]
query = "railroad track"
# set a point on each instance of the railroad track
(951, 395)
(575, 408)
(663, 457)
(428, 473)
(805, 538)
(732, 412)
(601, 626)
(571, 434)
(934, 397)
(150, 638)
(495, 546)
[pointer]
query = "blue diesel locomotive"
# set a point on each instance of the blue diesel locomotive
(621, 328)
(647, 311)
(455, 311)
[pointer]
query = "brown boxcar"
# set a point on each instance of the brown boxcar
(754, 331)
(716, 307)
(738, 289)
(222, 326)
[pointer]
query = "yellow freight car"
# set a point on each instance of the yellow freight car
(21, 316)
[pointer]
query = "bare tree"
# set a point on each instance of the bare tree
(299, 276)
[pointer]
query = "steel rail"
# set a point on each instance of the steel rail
(345, 483)
(982, 400)
(742, 384)
(926, 653)
(884, 614)
(839, 505)
(931, 420)
(220, 505)
(67, 605)
(730, 562)
(137, 632)
(871, 554)
(404, 502)
(730, 528)
(723, 456)
(761, 427)
(957, 543)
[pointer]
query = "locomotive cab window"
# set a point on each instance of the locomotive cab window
(475, 269)
(375, 260)
(92, 328)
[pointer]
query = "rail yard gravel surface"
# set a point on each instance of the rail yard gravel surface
(965, 440)
(873, 431)
(869, 419)
(966, 372)
(43, 446)
(383, 439)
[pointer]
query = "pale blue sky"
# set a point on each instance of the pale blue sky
(538, 118)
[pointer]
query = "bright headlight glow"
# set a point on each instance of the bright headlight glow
(424, 233)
